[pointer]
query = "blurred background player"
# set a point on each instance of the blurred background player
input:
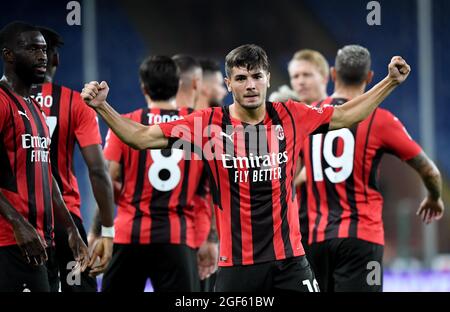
(190, 80)
(344, 219)
(155, 220)
(70, 123)
(201, 92)
(213, 88)
(212, 94)
(309, 74)
(27, 188)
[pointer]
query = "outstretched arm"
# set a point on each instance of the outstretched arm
(130, 132)
(432, 207)
(361, 107)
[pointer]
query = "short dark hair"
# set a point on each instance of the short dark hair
(52, 38)
(209, 66)
(9, 33)
(352, 64)
(249, 56)
(185, 63)
(160, 76)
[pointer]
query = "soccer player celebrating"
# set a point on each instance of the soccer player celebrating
(27, 189)
(70, 122)
(252, 148)
(344, 219)
(155, 221)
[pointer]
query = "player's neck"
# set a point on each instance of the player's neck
(184, 99)
(250, 116)
(16, 84)
(162, 104)
(348, 92)
(202, 103)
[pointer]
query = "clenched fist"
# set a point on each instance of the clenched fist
(94, 93)
(398, 69)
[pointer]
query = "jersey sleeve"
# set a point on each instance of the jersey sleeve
(395, 138)
(4, 112)
(113, 147)
(189, 129)
(87, 130)
(311, 119)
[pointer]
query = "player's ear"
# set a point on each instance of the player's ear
(228, 83)
(333, 74)
(369, 77)
(144, 89)
(8, 55)
(268, 80)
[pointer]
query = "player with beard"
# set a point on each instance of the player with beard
(29, 194)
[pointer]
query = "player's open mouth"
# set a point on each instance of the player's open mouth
(41, 68)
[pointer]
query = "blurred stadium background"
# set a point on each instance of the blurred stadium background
(115, 35)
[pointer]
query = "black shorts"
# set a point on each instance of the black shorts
(347, 264)
(16, 275)
(61, 262)
(288, 275)
(170, 268)
(207, 285)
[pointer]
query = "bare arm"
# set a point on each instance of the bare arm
(429, 173)
(432, 207)
(103, 246)
(62, 216)
(130, 132)
(114, 171)
(100, 182)
(361, 107)
(27, 238)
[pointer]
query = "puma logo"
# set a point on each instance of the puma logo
(229, 136)
(23, 114)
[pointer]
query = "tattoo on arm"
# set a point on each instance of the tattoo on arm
(429, 173)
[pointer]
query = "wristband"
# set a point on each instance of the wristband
(108, 231)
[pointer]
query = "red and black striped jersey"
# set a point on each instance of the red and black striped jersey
(202, 203)
(155, 203)
(251, 169)
(70, 121)
(25, 171)
(342, 195)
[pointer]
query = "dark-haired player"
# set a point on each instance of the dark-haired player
(344, 219)
(155, 235)
(71, 122)
(252, 148)
(27, 189)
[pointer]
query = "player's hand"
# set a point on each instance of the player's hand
(30, 242)
(398, 69)
(431, 209)
(207, 257)
(94, 94)
(102, 248)
(79, 249)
